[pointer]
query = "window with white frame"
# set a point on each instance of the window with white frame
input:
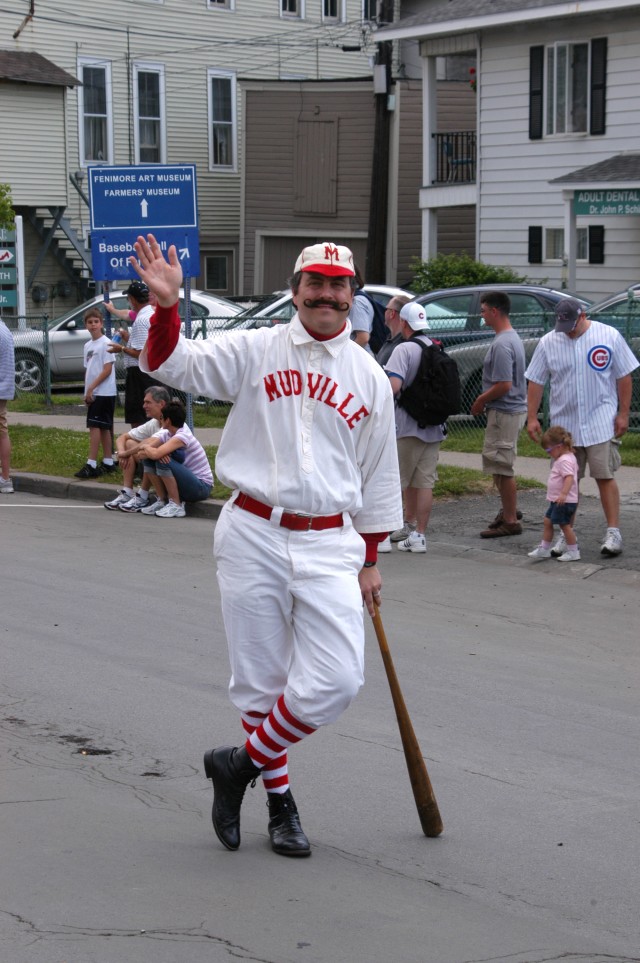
(370, 10)
(567, 75)
(221, 4)
(292, 8)
(149, 113)
(95, 109)
(222, 120)
(333, 10)
(554, 244)
(568, 89)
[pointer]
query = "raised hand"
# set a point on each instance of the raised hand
(162, 275)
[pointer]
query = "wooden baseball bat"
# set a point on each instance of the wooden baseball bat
(426, 804)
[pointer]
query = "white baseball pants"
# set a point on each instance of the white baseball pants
(293, 614)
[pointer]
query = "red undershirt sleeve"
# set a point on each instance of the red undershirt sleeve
(371, 541)
(164, 331)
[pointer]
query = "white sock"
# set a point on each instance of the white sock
(128, 491)
(92, 462)
(108, 461)
(143, 495)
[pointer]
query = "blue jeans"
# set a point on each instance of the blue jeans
(190, 487)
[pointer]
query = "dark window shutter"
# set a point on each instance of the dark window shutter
(596, 244)
(598, 85)
(535, 245)
(536, 88)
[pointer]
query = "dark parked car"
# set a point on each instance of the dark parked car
(454, 313)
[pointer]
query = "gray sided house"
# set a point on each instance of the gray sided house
(554, 173)
(151, 82)
(310, 148)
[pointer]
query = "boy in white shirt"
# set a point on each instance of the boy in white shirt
(99, 396)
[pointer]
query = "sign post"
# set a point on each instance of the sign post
(8, 278)
(128, 201)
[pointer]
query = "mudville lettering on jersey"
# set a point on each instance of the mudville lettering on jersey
(283, 384)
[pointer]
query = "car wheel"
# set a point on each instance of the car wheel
(29, 372)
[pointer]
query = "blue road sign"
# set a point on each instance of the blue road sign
(128, 201)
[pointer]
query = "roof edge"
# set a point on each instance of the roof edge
(471, 24)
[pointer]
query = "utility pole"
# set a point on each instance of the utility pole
(375, 268)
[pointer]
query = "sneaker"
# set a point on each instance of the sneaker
(414, 543)
(171, 510)
(560, 547)
(612, 544)
(135, 504)
(6, 486)
(108, 469)
(384, 546)
(540, 552)
(121, 499)
(150, 509)
(569, 556)
(88, 471)
(401, 534)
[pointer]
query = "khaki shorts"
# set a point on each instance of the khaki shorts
(501, 441)
(4, 428)
(418, 462)
(603, 460)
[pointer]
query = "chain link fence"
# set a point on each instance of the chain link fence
(49, 358)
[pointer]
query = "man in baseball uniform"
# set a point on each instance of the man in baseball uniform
(588, 365)
(309, 452)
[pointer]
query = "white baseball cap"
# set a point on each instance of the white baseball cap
(415, 316)
(326, 258)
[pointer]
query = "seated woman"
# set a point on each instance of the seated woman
(176, 464)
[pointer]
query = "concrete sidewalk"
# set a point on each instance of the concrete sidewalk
(536, 468)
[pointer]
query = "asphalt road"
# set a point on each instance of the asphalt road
(521, 678)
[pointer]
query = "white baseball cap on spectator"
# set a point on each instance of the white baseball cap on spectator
(415, 316)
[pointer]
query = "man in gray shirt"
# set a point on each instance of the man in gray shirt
(504, 398)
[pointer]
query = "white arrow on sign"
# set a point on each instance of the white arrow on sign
(5, 255)
(144, 207)
(184, 253)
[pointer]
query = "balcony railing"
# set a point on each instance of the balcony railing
(455, 157)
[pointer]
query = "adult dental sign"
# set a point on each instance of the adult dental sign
(607, 203)
(128, 201)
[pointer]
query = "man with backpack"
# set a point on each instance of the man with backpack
(504, 398)
(418, 444)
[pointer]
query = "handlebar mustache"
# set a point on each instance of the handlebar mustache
(324, 302)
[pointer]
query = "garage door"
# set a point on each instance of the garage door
(280, 254)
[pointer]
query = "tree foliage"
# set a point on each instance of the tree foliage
(7, 214)
(458, 270)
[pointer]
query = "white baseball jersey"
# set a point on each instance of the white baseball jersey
(312, 425)
(583, 373)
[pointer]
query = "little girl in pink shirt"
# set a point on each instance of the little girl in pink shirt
(562, 494)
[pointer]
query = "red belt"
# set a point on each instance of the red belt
(296, 521)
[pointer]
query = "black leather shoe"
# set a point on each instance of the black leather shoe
(287, 837)
(231, 770)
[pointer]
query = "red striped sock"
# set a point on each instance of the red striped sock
(273, 737)
(275, 775)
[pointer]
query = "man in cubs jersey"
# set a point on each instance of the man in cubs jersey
(309, 452)
(589, 367)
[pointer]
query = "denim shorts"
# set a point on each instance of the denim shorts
(560, 514)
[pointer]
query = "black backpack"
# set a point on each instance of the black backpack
(379, 332)
(434, 394)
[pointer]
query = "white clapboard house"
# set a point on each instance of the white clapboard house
(553, 169)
